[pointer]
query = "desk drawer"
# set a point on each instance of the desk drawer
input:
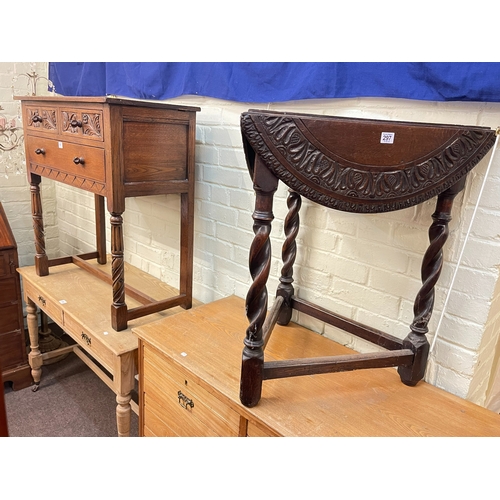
(184, 406)
(52, 310)
(82, 123)
(41, 119)
(89, 342)
(68, 158)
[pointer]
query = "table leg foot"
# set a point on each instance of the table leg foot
(123, 410)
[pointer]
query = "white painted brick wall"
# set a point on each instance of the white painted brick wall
(366, 267)
(14, 188)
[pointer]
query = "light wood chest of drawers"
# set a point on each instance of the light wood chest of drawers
(114, 148)
(189, 371)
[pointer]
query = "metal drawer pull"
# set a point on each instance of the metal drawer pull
(78, 161)
(76, 123)
(86, 338)
(37, 118)
(39, 151)
(184, 401)
(41, 299)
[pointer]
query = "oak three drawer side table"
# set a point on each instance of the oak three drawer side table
(114, 148)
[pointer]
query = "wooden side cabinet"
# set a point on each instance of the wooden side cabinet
(189, 369)
(114, 148)
(13, 356)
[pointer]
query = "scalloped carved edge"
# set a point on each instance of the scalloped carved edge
(349, 189)
(72, 180)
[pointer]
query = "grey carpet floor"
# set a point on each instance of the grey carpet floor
(71, 402)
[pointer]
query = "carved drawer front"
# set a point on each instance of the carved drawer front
(52, 310)
(89, 341)
(82, 123)
(41, 119)
(181, 405)
(66, 158)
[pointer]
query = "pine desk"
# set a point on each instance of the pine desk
(189, 386)
(78, 302)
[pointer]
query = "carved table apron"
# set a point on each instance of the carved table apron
(353, 165)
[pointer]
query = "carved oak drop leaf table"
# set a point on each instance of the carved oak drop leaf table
(354, 165)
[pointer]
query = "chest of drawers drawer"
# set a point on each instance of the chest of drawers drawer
(10, 316)
(8, 262)
(175, 404)
(67, 158)
(8, 290)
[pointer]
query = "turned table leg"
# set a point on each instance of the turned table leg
(124, 383)
(35, 356)
(252, 364)
(41, 259)
(432, 264)
(118, 307)
(288, 254)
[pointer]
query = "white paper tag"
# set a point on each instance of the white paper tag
(62, 302)
(387, 137)
(60, 145)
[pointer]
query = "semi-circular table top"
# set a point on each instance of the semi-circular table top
(362, 165)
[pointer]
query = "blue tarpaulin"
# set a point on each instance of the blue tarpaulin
(277, 82)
